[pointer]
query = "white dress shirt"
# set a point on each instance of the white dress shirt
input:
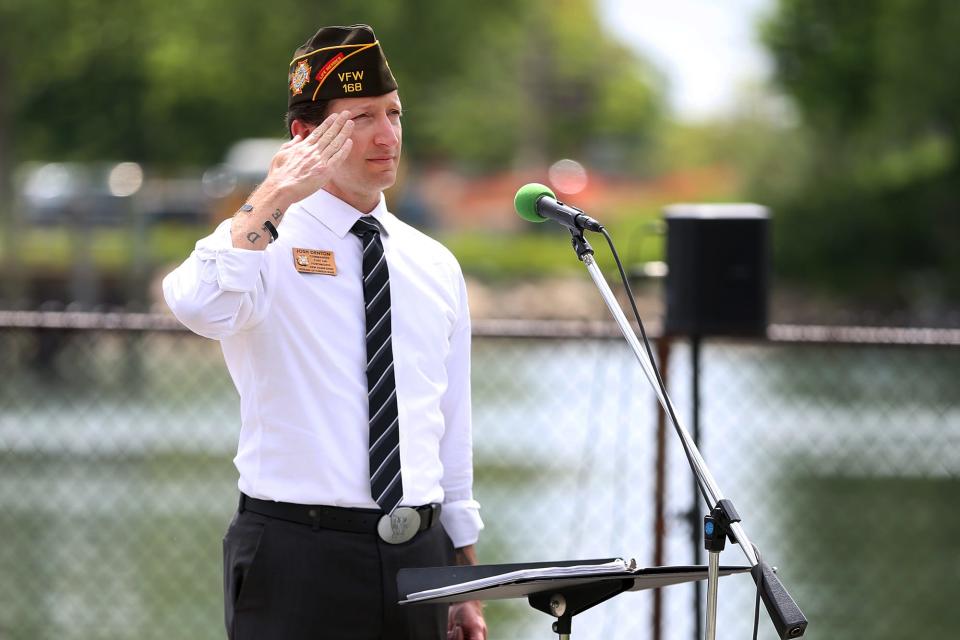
(295, 346)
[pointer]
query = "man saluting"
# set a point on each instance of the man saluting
(347, 335)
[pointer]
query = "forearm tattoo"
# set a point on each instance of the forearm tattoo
(268, 227)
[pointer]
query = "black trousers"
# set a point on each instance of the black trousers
(287, 581)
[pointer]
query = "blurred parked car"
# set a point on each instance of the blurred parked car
(73, 193)
(111, 194)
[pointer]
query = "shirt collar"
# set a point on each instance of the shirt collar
(338, 216)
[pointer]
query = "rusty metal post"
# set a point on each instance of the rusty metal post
(660, 488)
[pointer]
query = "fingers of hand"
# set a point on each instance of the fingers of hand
(338, 128)
(341, 153)
(337, 142)
(325, 147)
(284, 151)
(476, 631)
(323, 127)
(322, 168)
(329, 128)
(472, 634)
(475, 626)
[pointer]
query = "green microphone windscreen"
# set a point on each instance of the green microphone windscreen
(525, 202)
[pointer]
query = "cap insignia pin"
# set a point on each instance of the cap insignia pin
(300, 77)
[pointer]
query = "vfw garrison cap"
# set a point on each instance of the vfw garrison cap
(339, 62)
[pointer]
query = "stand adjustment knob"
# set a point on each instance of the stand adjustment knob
(558, 605)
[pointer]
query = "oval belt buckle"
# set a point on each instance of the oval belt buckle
(399, 526)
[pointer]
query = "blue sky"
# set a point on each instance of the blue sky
(707, 48)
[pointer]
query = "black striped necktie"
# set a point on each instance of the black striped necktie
(386, 484)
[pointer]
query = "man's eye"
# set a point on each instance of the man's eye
(361, 116)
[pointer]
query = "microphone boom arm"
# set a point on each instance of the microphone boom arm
(709, 484)
(783, 610)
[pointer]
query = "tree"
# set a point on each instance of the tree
(175, 83)
(875, 207)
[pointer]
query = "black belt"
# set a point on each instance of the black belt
(350, 519)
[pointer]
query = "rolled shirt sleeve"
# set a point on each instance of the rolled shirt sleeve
(461, 520)
(219, 290)
(461, 513)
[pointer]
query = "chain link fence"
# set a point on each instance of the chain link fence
(840, 448)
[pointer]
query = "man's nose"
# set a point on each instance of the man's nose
(386, 134)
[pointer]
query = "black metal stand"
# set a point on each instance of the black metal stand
(562, 600)
(561, 589)
(695, 512)
(783, 610)
(580, 244)
(716, 530)
(566, 603)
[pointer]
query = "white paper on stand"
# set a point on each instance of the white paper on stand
(544, 573)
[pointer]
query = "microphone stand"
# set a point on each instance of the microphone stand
(723, 520)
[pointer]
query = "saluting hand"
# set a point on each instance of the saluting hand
(300, 167)
(303, 165)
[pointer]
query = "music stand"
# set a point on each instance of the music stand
(578, 593)
(560, 589)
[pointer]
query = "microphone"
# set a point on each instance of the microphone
(537, 203)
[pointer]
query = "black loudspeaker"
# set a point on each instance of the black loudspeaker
(718, 260)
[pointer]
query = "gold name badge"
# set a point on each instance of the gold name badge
(314, 261)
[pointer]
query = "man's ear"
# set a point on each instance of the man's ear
(301, 128)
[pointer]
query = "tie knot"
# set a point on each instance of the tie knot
(365, 226)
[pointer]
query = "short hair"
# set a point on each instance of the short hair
(308, 112)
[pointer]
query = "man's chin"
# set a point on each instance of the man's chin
(384, 179)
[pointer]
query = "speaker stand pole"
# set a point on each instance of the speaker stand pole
(695, 532)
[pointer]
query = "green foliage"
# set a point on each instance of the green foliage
(53, 249)
(866, 195)
(537, 254)
(177, 82)
(140, 80)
